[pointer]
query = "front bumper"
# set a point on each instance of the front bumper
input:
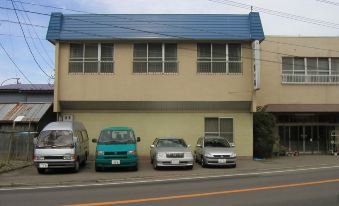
(174, 162)
(54, 164)
(111, 162)
(231, 161)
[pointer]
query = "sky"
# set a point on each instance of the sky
(11, 36)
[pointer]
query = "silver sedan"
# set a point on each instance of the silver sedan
(171, 152)
(214, 150)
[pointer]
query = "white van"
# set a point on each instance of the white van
(61, 145)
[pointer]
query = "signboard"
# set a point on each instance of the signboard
(256, 64)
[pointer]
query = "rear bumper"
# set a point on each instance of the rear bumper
(55, 164)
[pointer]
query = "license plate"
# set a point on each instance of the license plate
(221, 161)
(43, 165)
(115, 162)
(175, 162)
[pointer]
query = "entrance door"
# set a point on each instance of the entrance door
(310, 139)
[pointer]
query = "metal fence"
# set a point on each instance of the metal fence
(16, 146)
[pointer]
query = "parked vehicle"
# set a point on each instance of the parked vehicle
(171, 151)
(116, 147)
(215, 150)
(61, 145)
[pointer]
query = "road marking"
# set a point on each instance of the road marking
(165, 180)
(207, 194)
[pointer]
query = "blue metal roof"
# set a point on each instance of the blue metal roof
(155, 27)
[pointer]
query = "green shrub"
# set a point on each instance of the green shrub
(263, 134)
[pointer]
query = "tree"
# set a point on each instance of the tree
(263, 133)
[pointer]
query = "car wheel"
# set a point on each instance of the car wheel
(196, 158)
(203, 163)
(98, 169)
(234, 166)
(155, 165)
(76, 166)
(151, 160)
(135, 168)
(41, 170)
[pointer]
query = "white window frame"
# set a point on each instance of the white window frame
(83, 61)
(163, 61)
(227, 61)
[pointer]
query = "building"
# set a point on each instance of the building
(300, 86)
(32, 102)
(161, 74)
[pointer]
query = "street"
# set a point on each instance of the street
(317, 186)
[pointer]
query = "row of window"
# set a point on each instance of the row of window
(157, 58)
(310, 66)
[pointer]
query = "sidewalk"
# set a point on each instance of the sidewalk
(29, 177)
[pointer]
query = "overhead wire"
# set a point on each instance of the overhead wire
(29, 48)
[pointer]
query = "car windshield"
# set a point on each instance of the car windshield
(55, 138)
(171, 143)
(217, 142)
(116, 137)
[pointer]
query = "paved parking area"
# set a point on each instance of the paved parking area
(29, 177)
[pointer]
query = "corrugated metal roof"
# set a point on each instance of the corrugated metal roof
(28, 87)
(155, 27)
(31, 112)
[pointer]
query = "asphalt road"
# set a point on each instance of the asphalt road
(307, 187)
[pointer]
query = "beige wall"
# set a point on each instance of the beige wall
(273, 92)
(148, 126)
(187, 85)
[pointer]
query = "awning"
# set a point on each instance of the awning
(26, 112)
(283, 108)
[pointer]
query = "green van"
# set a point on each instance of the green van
(116, 147)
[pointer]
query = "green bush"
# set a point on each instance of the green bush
(263, 134)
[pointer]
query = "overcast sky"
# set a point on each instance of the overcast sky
(11, 35)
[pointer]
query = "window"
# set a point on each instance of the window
(91, 58)
(315, 70)
(219, 58)
(219, 127)
(155, 58)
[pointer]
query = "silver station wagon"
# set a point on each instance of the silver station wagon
(215, 150)
(171, 152)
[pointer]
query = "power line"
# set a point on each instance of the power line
(29, 48)
(279, 13)
(291, 44)
(41, 44)
(16, 66)
(329, 2)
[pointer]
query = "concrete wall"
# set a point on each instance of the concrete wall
(123, 85)
(148, 126)
(274, 92)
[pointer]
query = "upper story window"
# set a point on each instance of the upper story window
(155, 58)
(91, 58)
(219, 58)
(311, 70)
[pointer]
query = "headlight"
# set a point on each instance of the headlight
(233, 154)
(208, 155)
(188, 155)
(100, 152)
(69, 157)
(133, 152)
(39, 158)
(161, 155)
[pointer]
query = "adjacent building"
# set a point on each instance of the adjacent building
(300, 86)
(161, 74)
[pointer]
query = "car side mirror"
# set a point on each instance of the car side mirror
(152, 146)
(94, 140)
(199, 145)
(188, 146)
(138, 139)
